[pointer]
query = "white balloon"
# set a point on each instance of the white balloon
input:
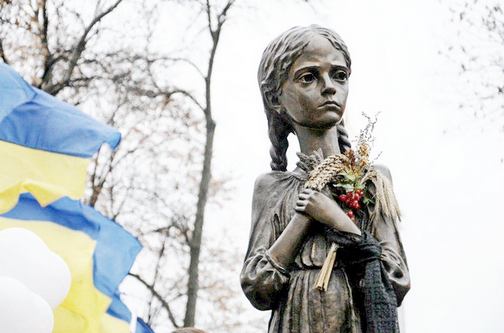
(25, 257)
(21, 310)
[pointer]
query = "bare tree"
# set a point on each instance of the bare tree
(58, 59)
(215, 24)
(478, 50)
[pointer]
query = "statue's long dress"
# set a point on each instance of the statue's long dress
(297, 307)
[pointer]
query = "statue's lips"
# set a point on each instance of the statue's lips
(330, 105)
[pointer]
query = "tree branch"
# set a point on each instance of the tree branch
(166, 94)
(208, 11)
(2, 53)
(187, 61)
(156, 273)
(160, 298)
(79, 48)
(221, 18)
(46, 54)
(98, 187)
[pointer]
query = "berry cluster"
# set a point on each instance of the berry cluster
(352, 200)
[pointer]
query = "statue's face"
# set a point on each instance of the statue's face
(315, 93)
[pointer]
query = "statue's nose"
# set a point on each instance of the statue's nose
(328, 87)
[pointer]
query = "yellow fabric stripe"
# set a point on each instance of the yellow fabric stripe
(83, 310)
(111, 324)
(48, 176)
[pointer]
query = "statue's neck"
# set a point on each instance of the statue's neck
(311, 139)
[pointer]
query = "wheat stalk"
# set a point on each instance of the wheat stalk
(326, 172)
(385, 200)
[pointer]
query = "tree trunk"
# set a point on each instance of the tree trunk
(195, 246)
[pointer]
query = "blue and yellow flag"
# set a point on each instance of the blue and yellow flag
(45, 143)
(45, 149)
(99, 253)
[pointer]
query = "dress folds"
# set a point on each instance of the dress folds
(298, 307)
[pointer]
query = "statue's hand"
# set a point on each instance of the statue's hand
(325, 210)
(319, 206)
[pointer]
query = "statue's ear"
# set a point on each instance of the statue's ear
(271, 99)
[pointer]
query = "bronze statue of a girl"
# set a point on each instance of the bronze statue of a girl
(303, 77)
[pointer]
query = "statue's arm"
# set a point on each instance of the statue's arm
(386, 231)
(264, 272)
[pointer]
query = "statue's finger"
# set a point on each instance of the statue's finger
(303, 196)
(301, 203)
(307, 191)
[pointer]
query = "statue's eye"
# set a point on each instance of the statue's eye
(340, 75)
(307, 78)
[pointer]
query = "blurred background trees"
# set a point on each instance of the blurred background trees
(104, 56)
(478, 49)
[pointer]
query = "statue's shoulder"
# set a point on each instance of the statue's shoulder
(275, 181)
(272, 188)
(269, 179)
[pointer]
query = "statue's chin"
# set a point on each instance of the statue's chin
(327, 121)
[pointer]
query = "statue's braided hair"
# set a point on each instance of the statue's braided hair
(343, 140)
(274, 68)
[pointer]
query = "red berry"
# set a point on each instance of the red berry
(354, 204)
(357, 206)
(360, 192)
(342, 197)
(350, 214)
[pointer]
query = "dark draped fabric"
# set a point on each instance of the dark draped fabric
(374, 293)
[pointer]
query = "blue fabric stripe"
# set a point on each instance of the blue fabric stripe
(119, 310)
(115, 253)
(13, 91)
(142, 327)
(46, 123)
(65, 212)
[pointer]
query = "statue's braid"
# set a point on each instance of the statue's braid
(278, 130)
(343, 140)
